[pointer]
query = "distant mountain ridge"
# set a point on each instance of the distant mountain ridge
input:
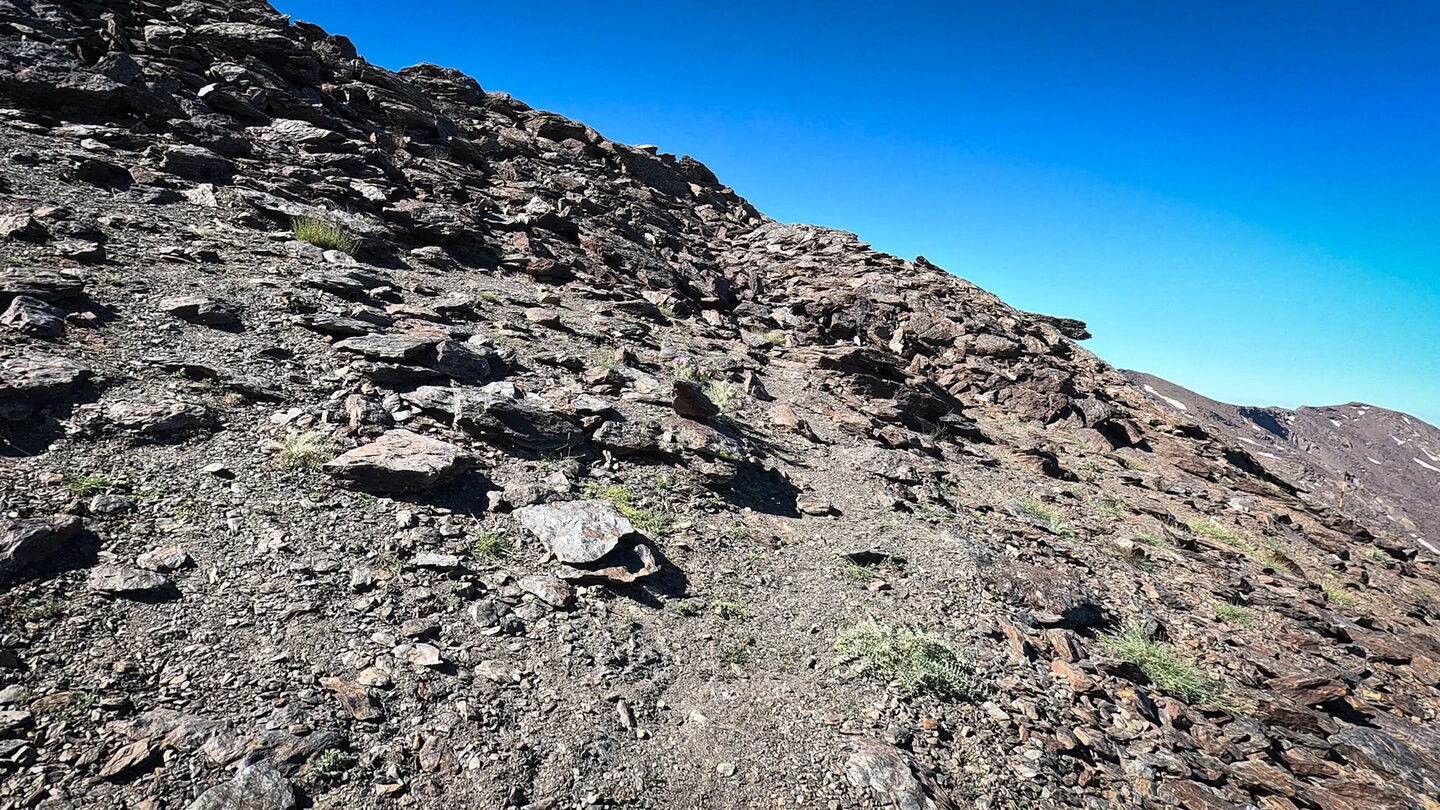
(1388, 462)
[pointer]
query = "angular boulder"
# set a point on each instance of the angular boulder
(500, 412)
(201, 310)
(576, 531)
(43, 284)
(398, 461)
(159, 417)
(27, 541)
(31, 316)
(391, 348)
(690, 401)
(255, 787)
(29, 383)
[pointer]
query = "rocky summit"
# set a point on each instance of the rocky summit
(371, 439)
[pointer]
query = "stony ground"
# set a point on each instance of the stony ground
(373, 440)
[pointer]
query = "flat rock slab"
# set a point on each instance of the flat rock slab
(118, 579)
(27, 541)
(255, 787)
(201, 310)
(158, 417)
(399, 461)
(30, 383)
(42, 284)
(576, 531)
(891, 776)
(390, 348)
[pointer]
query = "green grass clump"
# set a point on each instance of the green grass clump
(1380, 558)
(1161, 666)
(1151, 539)
(1110, 505)
(1130, 462)
(729, 611)
(329, 766)
(1336, 592)
(490, 545)
(1233, 614)
(648, 521)
(87, 485)
(1045, 514)
(1218, 533)
(323, 233)
(859, 573)
(305, 451)
(920, 662)
(687, 369)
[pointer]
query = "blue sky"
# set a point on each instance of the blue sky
(1243, 198)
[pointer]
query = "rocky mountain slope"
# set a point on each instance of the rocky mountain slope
(371, 439)
(1380, 467)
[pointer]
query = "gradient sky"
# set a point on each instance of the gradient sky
(1243, 198)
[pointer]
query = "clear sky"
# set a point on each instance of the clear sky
(1241, 197)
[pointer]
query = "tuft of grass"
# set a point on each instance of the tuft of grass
(1151, 539)
(323, 233)
(921, 663)
(1045, 514)
(87, 485)
(1214, 531)
(1380, 558)
(648, 521)
(305, 451)
(775, 337)
(490, 545)
(1336, 592)
(328, 767)
(736, 653)
(1161, 665)
(729, 611)
(688, 608)
(688, 369)
(1233, 614)
(1110, 505)
(859, 573)
(488, 297)
(15, 619)
(1130, 462)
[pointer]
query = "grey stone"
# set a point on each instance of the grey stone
(118, 579)
(195, 163)
(891, 776)
(576, 531)
(461, 361)
(201, 310)
(31, 316)
(392, 348)
(499, 411)
(27, 541)
(398, 461)
(255, 787)
(156, 418)
(34, 381)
